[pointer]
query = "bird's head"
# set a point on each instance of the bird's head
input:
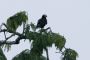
(44, 15)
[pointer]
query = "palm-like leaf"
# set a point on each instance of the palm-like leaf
(59, 41)
(16, 20)
(70, 54)
(25, 55)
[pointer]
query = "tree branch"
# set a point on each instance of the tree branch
(20, 36)
(9, 37)
(47, 53)
(5, 35)
(17, 41)
(10, 31)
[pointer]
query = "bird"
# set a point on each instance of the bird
(42, 21)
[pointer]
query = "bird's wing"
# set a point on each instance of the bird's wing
(44, 21)
(38, 23)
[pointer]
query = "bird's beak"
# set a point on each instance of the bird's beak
(45, 15)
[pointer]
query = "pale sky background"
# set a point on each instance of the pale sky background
(70, 18)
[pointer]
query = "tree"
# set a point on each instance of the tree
(41, 39)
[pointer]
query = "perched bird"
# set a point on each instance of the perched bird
(42, 22)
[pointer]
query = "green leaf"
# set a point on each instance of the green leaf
(70, 54)
(16, 20)
(28, 55)
(59, 40)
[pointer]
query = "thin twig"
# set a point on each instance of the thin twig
(9, 37)
(47, 53)
(12, 42)
(10, 31)
(5, 35)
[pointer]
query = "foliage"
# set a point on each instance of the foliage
(41, 39)
(2, 56)
(6, 47)
(59, 41)
(24, 55)
(16, 20)
(70, 54)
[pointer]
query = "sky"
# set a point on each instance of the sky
(69, 18)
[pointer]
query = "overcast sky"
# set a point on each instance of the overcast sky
(70, 18)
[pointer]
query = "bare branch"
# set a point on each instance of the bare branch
(46, 49)
(10, 31)
(17, 41)
(3, 24)
(9, 37)
(20, 37)
(5, 35)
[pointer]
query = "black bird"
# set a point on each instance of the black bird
(42, 22)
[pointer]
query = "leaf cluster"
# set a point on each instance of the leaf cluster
(16, 20)
(24, 55)
(70, 54)
(41, 39)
